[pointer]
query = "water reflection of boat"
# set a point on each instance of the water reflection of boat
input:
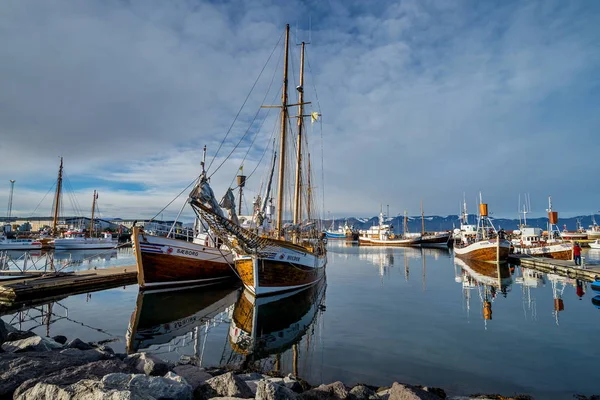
(266, 326)
(160, 317)
(497, 275)
(596, 301)
(78, 256)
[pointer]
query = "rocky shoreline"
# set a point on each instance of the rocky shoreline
(35, 367)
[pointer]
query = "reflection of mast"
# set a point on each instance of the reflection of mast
(559, 305)
(57, 198)
(424, 268)
(405, 265)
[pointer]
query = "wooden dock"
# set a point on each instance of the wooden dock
(16, 286)
(559, 267)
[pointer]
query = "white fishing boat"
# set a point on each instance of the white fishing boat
(77, 240)
(594, 230)
(532, 243)
(19, 244)
(595, 244)
(383, 235)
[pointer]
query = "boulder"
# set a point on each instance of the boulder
(362, 392)
(5, 329)
(273, 391)
(79, 344)
(408, 392)
(384, 393)
(226, 385)
(93, 370)
(332, 391)
(117, 386)
(60, 339)
(16, 368)
(194, 375)
(147, 364)
(18, 335)
(291, 383)
(34, 343)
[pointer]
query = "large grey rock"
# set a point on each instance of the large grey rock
(362, 392)
(113, 386)
(60, 339)
(193, 374)
(272, 391)
(384, 394)
(93, 370)
(407, 392)
(34, 343)
(335, 390)
(18, 335)
(87, 355)
(5, 329)
(79, 344)
(226, 385)
(147, 364)
(16, 368)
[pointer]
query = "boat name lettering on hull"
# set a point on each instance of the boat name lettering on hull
(293, 258)
(187, 252)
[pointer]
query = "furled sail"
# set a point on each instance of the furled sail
(202, 200)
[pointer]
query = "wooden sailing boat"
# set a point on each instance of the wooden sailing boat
(168, 262)
(292, 256)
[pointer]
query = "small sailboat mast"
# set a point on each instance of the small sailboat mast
(284, 100)
(57, 197)
(298, 185)
(422, 219)
(93, 209)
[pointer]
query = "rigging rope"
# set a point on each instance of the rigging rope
(241, 108)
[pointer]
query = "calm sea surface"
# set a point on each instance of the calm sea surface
(383, 315)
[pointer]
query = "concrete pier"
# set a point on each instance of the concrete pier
(560, 267)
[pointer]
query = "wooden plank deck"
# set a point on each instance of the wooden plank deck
(39, 286)
(566, 268)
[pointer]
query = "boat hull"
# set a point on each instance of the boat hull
(485, 250)
(558, 251)
(335, 235)
(435, 240)
(164, 262)
(68, 244)
(280, 269)
(595, 245)
(367, 241)
(21, 246)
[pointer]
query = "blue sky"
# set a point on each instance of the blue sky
(420, 100)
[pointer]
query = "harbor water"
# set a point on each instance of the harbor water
(382, 315)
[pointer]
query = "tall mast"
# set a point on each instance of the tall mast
(93, 209)
(10, 198)
(308, 191)
(57, 197)
(284, 98)
(298, 185)
(422, 219)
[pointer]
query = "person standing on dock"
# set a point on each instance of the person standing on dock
(577, 254)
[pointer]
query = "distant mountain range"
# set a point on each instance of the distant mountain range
(437, 223)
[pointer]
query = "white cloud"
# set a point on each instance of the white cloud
(419, 99)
